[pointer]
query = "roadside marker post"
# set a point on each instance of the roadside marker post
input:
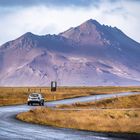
(53, 88)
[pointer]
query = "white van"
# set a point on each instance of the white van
(35, 98)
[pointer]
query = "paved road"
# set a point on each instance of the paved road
(12, 129)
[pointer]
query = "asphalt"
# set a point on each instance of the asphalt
(13, 129)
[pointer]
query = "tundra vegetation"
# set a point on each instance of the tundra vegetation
(120, 114)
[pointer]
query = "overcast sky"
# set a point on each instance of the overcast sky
(54, 16)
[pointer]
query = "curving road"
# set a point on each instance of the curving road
(12, 129)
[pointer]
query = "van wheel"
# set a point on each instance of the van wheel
(42, 103)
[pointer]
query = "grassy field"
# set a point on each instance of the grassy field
(101, 120)
(19, 95)
(128, 102)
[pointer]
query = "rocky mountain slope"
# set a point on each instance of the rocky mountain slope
(87, 55)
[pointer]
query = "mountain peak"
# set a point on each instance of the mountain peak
(92, 33)
(92, 21)
(28, 34)
(88, 33)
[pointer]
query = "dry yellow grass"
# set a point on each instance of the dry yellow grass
(19, 95)
(106, 120)
(131, 101)
(94, 120)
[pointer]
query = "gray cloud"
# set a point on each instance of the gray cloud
(82, 3)
(57, 3)
(54, 16)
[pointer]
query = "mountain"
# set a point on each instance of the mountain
(87, 55)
